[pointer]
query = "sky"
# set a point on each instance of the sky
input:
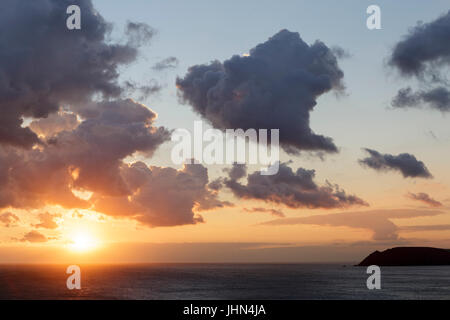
(85, 154)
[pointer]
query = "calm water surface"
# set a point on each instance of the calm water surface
(223, 281)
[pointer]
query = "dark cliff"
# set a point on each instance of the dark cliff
(408, 256)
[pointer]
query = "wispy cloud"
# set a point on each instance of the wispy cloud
(377, 221)
(425, 198)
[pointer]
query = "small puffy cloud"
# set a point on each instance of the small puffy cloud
(168, 63)
(405, 163)
(8, 219)
(276, 86)
(47, 221)
(34, 236)
(292, 189)
(425, 198)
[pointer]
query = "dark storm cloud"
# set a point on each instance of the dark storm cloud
(405, 163)
(168, 63)
(425, 198)
(292, 189)
(425, 54)
(275, 87)
(44, 65)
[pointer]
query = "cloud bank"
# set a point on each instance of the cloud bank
(82, 128)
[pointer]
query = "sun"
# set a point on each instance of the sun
(82, 242)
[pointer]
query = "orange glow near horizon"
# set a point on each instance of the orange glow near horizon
(83, 241)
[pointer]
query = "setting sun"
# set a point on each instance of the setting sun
(83, 242)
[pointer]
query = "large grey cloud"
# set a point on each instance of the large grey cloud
(425, 54)
(292, 189)
(44, 65)
(405, 163)
(275, 87)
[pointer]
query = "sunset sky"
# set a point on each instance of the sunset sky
(86, 118)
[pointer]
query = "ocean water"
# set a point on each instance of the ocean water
(223, 281)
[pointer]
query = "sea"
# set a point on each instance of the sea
(223, 282)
